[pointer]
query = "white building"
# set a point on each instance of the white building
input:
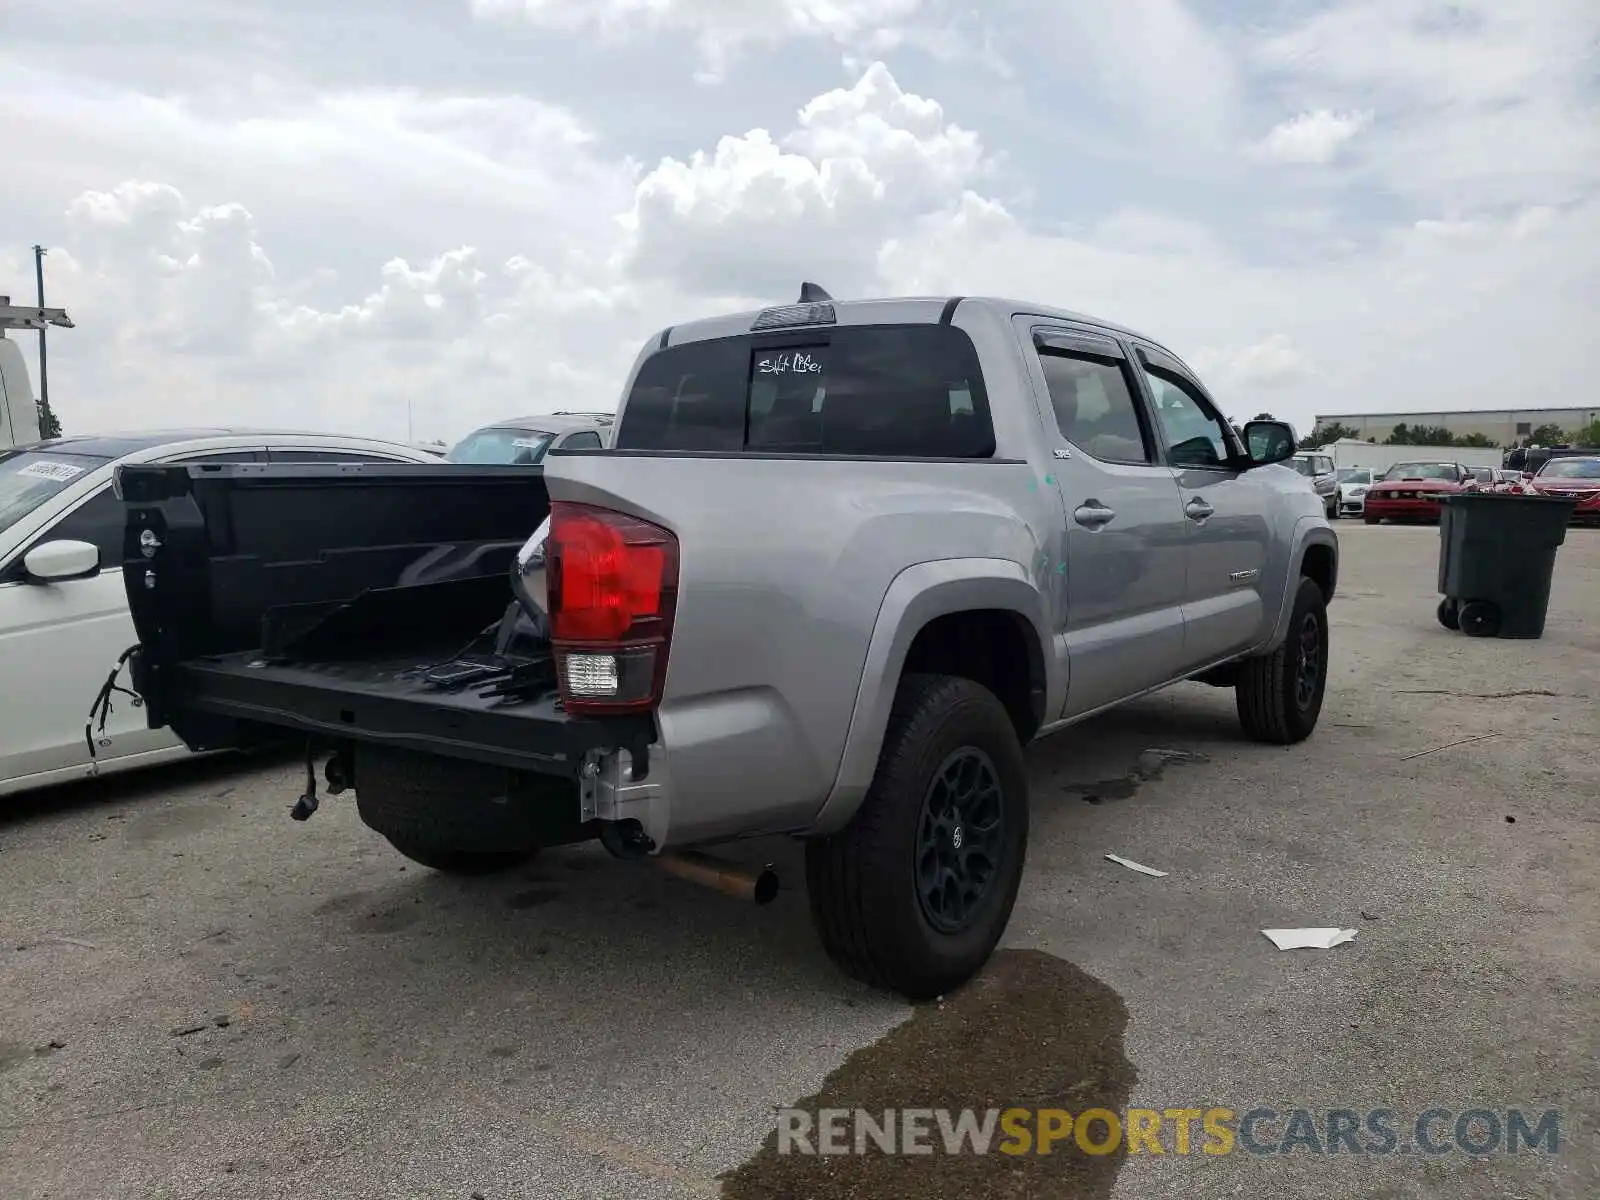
(1504, 427)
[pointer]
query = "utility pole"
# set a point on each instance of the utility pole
(49, 427)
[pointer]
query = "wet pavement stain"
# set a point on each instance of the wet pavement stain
(342, 902)
(178, 821)
(533, 897)
(1031, 1032)
(389, 920)
(13, 1054)
(1150, 766)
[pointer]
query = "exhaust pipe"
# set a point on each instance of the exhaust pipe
(721, 875)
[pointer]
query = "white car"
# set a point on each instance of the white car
(524, 441)
(64, 616)
(1353, 485)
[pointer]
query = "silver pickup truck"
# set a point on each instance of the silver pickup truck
(841, 563)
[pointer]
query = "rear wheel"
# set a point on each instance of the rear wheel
(1279, 695)
(1449, 614)
(914, 894)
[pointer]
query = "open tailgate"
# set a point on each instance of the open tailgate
(342, 600)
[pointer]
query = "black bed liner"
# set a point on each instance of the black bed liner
(321, 600)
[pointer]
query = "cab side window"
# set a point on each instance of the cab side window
(1194, 435)
(587, 440)
(1094, 406)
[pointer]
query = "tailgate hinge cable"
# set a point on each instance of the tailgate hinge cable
(308, 803)
(102, 706)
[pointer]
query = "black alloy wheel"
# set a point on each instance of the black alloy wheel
(1308, 662)
(960, 839)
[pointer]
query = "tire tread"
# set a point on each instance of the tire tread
(842, 868)
(1262, 695)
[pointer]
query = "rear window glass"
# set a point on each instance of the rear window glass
(892, 391)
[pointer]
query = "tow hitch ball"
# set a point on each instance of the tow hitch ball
(338, 775)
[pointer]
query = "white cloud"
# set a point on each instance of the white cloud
(1495, 103)
(1154, 59)
(1267, 363)
(721, 28)
(1313, 137)
(759, 214)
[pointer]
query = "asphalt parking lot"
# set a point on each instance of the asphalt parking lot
(199, 997)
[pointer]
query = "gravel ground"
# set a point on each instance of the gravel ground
(199, 997)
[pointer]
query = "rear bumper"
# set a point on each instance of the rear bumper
(376, 702)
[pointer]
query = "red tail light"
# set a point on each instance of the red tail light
(613, 590)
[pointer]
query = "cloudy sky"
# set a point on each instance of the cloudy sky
(317, 214)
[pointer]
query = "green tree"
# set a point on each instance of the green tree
(49, 423)
(1400, 435)
(1432, 435)
(1547, 435)
(1589, 435)
(1323, 434)
(1480, 440)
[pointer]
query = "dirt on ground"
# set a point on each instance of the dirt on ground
(1032, 1032)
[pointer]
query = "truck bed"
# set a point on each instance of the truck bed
(354, 601)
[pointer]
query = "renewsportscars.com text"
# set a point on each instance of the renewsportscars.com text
(1180, 1131)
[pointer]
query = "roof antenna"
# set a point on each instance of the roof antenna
(810, 293)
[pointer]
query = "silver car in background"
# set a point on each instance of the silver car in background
(1318, 468)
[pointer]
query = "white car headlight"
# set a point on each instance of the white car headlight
(1357, 492)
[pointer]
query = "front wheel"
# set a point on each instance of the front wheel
(1279, 695)
(914, 894)
(1449, 613)
(1371, 520)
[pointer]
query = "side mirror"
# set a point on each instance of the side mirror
(51, 562)
(1268, 442)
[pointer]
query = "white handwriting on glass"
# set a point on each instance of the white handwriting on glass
(789, 364)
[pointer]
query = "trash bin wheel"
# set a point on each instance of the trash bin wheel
(1479, 618)
(1449, 613)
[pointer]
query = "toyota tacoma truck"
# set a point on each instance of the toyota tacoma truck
(841, 563)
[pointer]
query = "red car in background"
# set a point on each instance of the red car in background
(1411, 491)
(1569, 479)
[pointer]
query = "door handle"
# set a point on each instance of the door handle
(1197, 509)
(1091, 514)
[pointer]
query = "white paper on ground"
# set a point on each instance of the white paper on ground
(1133, 866)
(1309, 939)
